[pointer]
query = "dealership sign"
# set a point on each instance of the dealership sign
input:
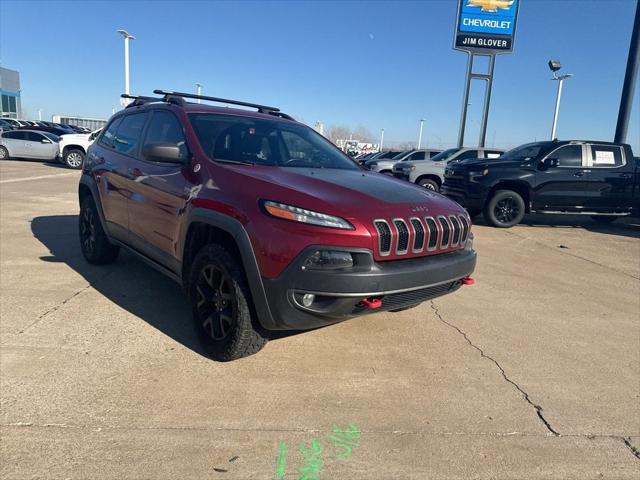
(486, 26)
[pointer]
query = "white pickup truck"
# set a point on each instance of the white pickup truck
(73, 147)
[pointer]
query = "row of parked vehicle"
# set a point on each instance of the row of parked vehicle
(47, 141)
(597, 179)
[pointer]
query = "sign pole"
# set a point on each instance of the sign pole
(631, 74)
(487, 102)
(465, 100)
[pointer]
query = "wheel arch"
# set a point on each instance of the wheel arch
(520, 188)
(205, 226)
(430, 176)
(66, 148)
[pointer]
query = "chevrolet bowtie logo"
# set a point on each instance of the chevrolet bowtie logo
(491, 5)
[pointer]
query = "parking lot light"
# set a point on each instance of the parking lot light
(381, 138)
(199, 90)
(554, 66)
(420, 134)
(127, 36)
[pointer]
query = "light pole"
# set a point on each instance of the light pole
(198, 90)
(554, 66)
(420, 134)
(381, 138)
(127, 36)
(39, 114)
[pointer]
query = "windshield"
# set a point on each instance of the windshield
(235, 139)
(444, 155)
(523, 152)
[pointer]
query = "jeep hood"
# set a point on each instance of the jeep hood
(353, 191)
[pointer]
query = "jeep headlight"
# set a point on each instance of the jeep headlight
(302, 215)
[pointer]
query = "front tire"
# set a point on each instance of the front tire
(505, 209)
(223, 311)
(94, 242)
(74, 158)
(429, 184)
(4, 154)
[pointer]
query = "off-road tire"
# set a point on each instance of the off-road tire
(429, 184)
(504, 209)
(4, 154)
(244, 336)
(73, 158)
(94, 242)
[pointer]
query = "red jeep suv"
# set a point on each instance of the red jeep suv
(266, 224)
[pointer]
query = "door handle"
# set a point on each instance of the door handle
(626, 176)
(578, 174)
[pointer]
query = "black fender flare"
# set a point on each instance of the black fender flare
(234, 228)
(89, 182)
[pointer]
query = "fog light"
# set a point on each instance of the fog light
(307, 299)
(328, 260)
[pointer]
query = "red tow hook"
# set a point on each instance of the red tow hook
(468, 281)
(372, 304)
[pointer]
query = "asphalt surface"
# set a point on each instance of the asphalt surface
(534, 372)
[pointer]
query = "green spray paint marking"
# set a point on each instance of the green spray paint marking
(281, 462)
(344, 439)
(312, 460)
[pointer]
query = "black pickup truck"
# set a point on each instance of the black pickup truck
(597, 179)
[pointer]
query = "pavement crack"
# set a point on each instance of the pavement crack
(524, 394)
(63, 303)
(630, 446)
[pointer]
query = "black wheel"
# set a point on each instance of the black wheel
(73, 158)
(429, 184)
(505, 209)
(94, 243)
(604, 218)
(222, 307)
(4, 153)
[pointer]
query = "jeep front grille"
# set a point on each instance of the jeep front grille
(416, 235)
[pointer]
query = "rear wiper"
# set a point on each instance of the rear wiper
(237, 162)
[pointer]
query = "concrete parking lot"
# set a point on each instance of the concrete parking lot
(534, 372)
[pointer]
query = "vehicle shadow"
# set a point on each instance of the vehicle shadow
(129, 283)
(624, 227)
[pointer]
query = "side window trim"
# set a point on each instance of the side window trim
(582, 149)
(590, 149)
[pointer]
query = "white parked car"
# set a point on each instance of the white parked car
(73, 147)
(29, 144)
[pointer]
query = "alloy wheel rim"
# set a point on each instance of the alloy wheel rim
(3, 153)
(215, 303)
(506, 210)
(88, 230)
(428, 186)
(74, 159)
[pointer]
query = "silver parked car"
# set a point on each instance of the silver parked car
(29, 144)
(430, 174)
(385, 164)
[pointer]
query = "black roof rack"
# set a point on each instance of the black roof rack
(261, 108)
(178, 99)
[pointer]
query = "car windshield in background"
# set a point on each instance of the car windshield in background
(51, 136)
(522, 153)
(229, 138)
(444, 155)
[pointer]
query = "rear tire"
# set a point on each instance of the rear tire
(429, 184)
(73, 158)
(223, 311)
(4, 154)
(505, 209)
(604, 218)
(94, 242)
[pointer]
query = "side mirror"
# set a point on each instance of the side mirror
(550, 163)
(163, 152)
(45, 140)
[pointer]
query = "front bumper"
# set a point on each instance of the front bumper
(339, 294)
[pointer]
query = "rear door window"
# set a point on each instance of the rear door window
(418, 156)
(15, 135)
(129, 132)
(605, 156)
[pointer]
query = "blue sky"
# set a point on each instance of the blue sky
(375, 64)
